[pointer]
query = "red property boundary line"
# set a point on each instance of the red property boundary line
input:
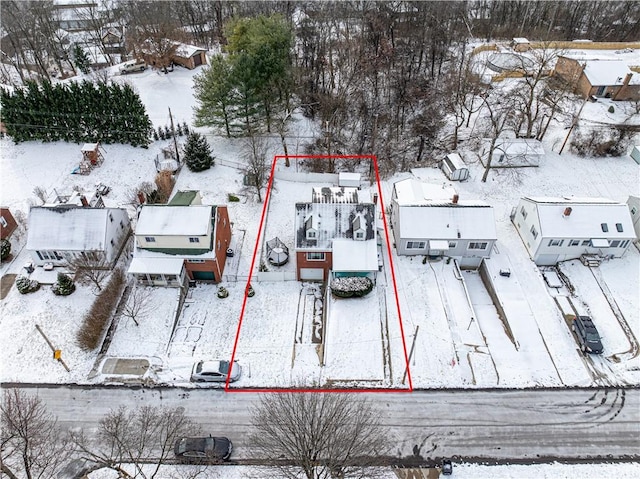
(253, 260)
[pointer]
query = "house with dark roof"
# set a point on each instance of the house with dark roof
(431, 220)
(61, 234)
(180, 240)
(335, 235)
(557, 229)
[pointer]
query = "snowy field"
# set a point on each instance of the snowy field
(454, 342)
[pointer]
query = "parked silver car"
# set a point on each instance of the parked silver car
(215, 371)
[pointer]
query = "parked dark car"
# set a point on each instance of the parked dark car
(447, 467)
(203, 450)
(587, 334)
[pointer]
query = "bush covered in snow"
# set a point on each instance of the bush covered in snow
(97, 320)
(63, 286)
(26, 285)
(5, 249)
(351, 286)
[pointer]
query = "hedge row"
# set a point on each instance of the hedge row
(97, 320)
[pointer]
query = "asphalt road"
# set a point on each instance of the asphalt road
(493, 424)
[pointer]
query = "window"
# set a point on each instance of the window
(311, 234)
(315, 256)
(49, 255)
(634, 210)
(574, 243)
(605, 227)
(149, 239)
(585, 242)
(359, 235)
(624, 244)
(523, 212)
(121, 225)
(194, 240)
(3, 222)
(195, 261)
(534, 232)
(416, 244)
(619, 227)
(110, 217)
(614, 244)
(555, 242)
(453, 244)
(478, 245)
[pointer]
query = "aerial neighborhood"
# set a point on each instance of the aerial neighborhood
(305, 201)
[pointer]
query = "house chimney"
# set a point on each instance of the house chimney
(83, 200)
(141, 198)
(567, 211)
(455, 199)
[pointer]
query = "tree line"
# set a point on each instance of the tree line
(75, 112)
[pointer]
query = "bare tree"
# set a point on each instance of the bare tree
(323, 435)
(133, 437)
(500, 117)
(257, 169)
(90, 267)
(138, 304)
(31, 445)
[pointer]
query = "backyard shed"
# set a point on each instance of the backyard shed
(349, 179)
(513, 152)
(454, 167)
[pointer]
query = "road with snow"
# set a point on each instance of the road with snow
(493, 424)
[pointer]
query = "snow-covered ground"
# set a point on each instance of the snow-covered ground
(464, 470)
(454, 342)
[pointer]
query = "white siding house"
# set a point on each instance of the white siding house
(431, 220)
(59, 235)
(633, 202)
(561, 229)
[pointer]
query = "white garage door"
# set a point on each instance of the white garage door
(311, 274)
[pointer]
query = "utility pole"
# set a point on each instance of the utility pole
(173, 133)
(573, 124)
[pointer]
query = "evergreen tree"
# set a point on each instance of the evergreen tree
(185, 128)
(179, 129)
(81, 59)
(161, 133)
(214, 91)
(64, 285)
(197, 153)
(5, 249)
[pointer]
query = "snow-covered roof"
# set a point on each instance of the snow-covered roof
(609, 72)
(331, 221)
(167, 220)
(412, 192)
(464, 221)
(520, 40)
(68, 229)
(352, 256)
(518, 146)
(156, 265)
(187, 51)
(585, 219)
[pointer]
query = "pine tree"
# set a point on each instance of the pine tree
(81, 60)
(185, 128)
(179, 129)
(5, 249)
(64, 285)
(197, 153)
(161, 133)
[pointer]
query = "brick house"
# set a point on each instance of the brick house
(8, 223)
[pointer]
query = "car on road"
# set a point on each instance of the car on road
(447, 467)
(215, 371)
(203, 450)
(132, 66)
(587, 335)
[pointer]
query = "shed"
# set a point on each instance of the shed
(513, 152)
(635, 153)
(520, 44)
(189, 56)
(454, 167)
(349, 179)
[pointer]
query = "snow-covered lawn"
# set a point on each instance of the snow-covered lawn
(455, 335)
